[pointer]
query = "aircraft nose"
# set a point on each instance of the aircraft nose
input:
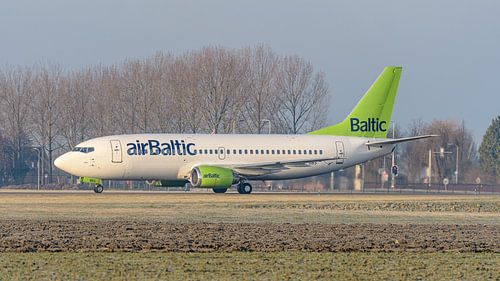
(62, 162)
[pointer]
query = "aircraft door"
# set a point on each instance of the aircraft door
(222, 153)
(340, 152)
(116, 151)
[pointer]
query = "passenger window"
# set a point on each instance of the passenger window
(300, 151)
(246, 151)
(305, 151)
(315, 151)
(262, 151)
(321, 151)
(256, 151)
(228, 151)
(283, 152)
(200, 151)
(272, 151)
(211, 151)
(294, 151)
(251, 151)
(267, 151)
(240, 151)
(310, 151)
(289, 151)
(206, 151)
(234, 151)
(278, 151)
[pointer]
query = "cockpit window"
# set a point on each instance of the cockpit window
(83, 149)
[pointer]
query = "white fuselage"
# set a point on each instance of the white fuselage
(173, 156)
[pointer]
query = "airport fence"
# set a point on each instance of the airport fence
(408, 188)
(433, 188)
(304, 185)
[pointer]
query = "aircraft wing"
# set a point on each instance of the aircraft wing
(265, 168)
(395, 141)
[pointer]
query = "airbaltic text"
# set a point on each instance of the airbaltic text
(154, 147)
(370, 125)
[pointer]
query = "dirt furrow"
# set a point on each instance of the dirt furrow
(76, 236)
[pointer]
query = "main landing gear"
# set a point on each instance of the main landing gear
(244, 188)
(98, 188)
(219, 190)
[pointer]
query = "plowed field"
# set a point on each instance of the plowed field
(77, 236)
(228, 236)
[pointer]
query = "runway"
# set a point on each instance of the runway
(209, 192)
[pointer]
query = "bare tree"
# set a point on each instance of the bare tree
(451, 135)
(163, 107)
(301, 93)
(16, 92)
(185, 90)
(220, 78)
(260, 86)
(75, 109)
(46, 112)
(414, 158)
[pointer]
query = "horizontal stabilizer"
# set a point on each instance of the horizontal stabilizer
(395, 141)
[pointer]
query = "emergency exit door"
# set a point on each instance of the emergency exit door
(116, 154)
(340, 152)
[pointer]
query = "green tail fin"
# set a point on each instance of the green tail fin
(372, 115)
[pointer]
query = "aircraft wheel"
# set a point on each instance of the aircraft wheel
(245, 188)
(219, 190)
(98, 188)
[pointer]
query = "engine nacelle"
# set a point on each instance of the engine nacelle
(210, 176)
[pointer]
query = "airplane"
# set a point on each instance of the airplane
(220, 161)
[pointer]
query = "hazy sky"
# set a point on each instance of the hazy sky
(449, 50)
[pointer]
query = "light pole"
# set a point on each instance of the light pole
(37, 166)
(429, 167)
(269, 127)
(441, 153)
(456, 161)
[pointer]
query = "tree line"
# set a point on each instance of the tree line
(44, 109)
(455, 142)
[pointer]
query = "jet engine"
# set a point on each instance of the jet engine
(210, 176)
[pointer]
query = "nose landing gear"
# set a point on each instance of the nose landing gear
(97, 183)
